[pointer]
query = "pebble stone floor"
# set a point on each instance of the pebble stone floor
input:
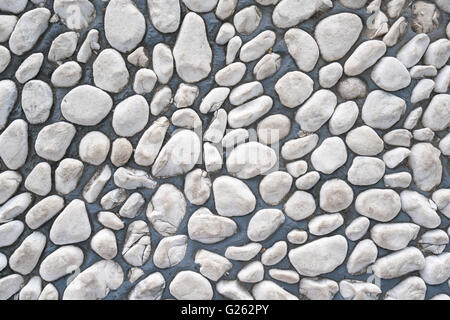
(224, 149)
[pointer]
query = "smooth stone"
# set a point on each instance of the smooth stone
(170, 251)
(90, 44)
(26, 256)
(438, 53)
(257, 47)
(294, 88)
(192, 52)
(132, 207)
(394, 236)
(178, 156)
(297, 236)
(365, 171)
(212, 265)
(330, 74)
(110, 220)
(343, 118)
(110, 72)
(214, 100)
(212, 158)
(130, 116)
(303, 48)
(364, 141)
(86, 105)
(264, 223)
(399, 263)
(300, 206)
(319, 256)
(394, 157)
(150, 288)
(234, 137)
(274, 187)
(267, 66)
(151, 142)
(426, 165)
(318, 288)
(364, 254)
(412, 288)
(419, 208)
(268, 290)
(412, 52)
(94, 148)
(225, 33)
(39, 180)
(8, 98)
(233, 46)
(316, 111)
(247, 20)
(297, 168)
(398, 137)
(67, 175)
(357, 228)
(9, 285)
(217, 127)
(205, 227)
(28, 29)
(243, 253)
(197, 187)
(251, 273)
(31, 290)
(437, 115)
(227, 188)
(95, 282)
(441, 198)
(365, 56)
(167, 209)
(390, 74)
(165, 14)
(144, 81)
(63, 47)
(287, 276)
(131, 179)
(14, 144)
(62, 231)
(233, 289)
(43, 211)
(289, 13)
(124, 15)
(397, 180)
(9, 182)
(186, 118)
(325, 223)
(307, 181)
(7, 23)
(185, 95)
(437, 269)
(274, 254)
(67, 75)
(358, 290)
(336, 34)
(162, 59)
(121, 151)
(352, 88)
(96, 183)
(329, 156)
(298, 148)
(240, 164)
(335, 195)
(59, 263)
(249, 112)
(189, 285)
(5, 58)
(378, 204)
(10, 232)
(15, 206)
(225, 8)
(37, 101)
(245, 92)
